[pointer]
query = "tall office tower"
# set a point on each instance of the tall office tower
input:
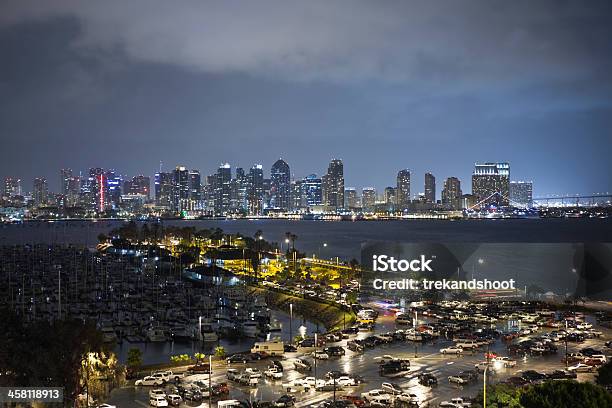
(210, 191)
(402, 192)
(390, 195)
(491, 183)
(12, 187)
(41, 192)
(451, 193)
(333, 185)
(138, 185)
(223, 189)
(312, 191)
(521, 193)
(368, 198)
(351, 200)
(430, 188)
(73, 189)
(195, 189)
(296, 195)
(97, 189)
(280, 185)
(256, 190)
(181, 189)
(241, 194)
(65, 177)
(114, 183)
(164, 190)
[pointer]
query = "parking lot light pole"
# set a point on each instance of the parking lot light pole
(290, 323)
(484, 388)
(565, 338)
(315, 360)
(210, 380)
(416, 320)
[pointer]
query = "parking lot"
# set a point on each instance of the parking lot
(428, 359)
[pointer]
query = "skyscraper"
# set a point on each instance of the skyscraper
(350, 198)
(390, 198)
(521, 193)
(12, 187)
(333, 185)
(97, 189)
(223, 189)
(402, 192)
(138, 185)
(430, 188)
(114, 184)
(312, 191)
(368, 198)
(65, 177)
(451, 193)
(195, 189)
(491, 183)
(256, 190)
(297, 202)
(164, 189)
(41, 192)
(280, 185)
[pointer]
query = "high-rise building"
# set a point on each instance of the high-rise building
(333, 185)
(72, 191)
(280, 185)
(312, 191)
(451, 193)
(521, 193)
(491, 183)
(240, 191)
(350, 198)
(256, 190)
(182, 192)
(402, 192)
(140, 185)
(12, 187)
(223, 189)
(97, 189)
(114, 183)
(65, 177)
(430, 188)
(40, 194)
(164, 189)
(195, 189)
(368, 199)
(297, 196)
(390, 196)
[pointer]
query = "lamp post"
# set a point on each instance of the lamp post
(416, 322)
(484, 387)
(210, 380)
(315, 359)
(290, 323)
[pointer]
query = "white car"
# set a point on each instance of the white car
(391, 388)
(408, 398)
(344, 381)
(148, 380)
(506, 361)
(253, 372)
(273, 374)
(158, 402)
(320, 355)
(157, 393)
(174, 399)
(581, 368)
(584, 326)
(369, 395)
(455, 403)
(458, 379)
(451, 350)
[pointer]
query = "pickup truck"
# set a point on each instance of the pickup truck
(273, 373)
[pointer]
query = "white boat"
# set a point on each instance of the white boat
(156, 335)
(208, 334)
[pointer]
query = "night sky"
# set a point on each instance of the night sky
(429, 86)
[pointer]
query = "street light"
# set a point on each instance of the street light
(484, 387)
(290, 323)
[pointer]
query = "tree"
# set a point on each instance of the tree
(604, 374)
(134, 358)
(566, 394)
(220, 351)
(498, 396)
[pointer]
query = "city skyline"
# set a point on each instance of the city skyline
(385, 89)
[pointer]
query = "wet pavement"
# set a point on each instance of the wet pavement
(428, 360)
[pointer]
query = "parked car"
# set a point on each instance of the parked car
(203, 368)
(149, 380)
(451, 350)
(320, 355)
(455, 403)
(158, 402)
(174, 399)
(236, 358)
(581, 368)
(302, 365)
(391, 388)
(428, 380)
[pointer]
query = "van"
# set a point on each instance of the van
(270, 348)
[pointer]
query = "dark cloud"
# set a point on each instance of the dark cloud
(420, 84)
